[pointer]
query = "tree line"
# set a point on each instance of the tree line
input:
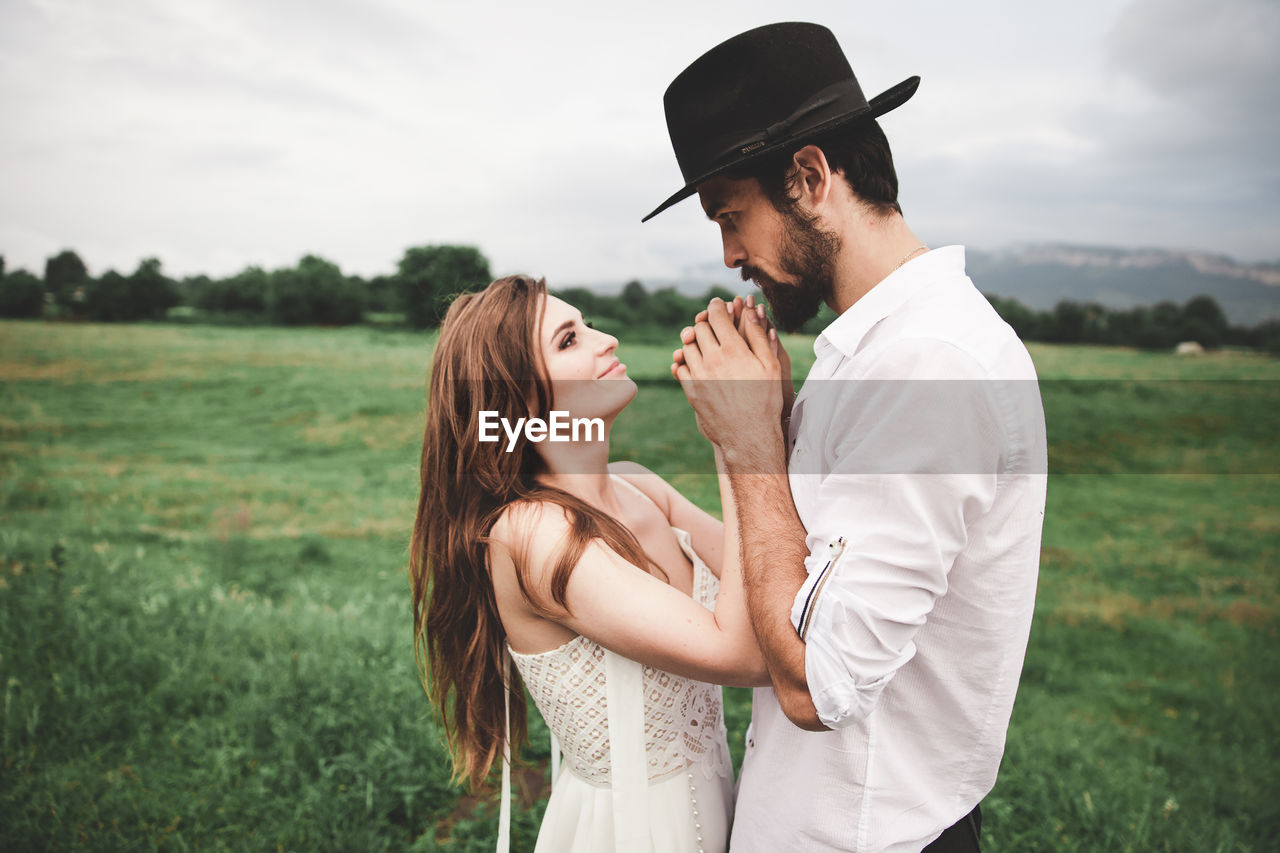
(1160, 326)
(316, 292)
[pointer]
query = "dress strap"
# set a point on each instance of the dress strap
(629, 773)
(504, 810)
(555, 757)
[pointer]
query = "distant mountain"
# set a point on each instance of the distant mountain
(693, 280)
(1040, 276)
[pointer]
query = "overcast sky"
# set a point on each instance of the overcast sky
(216, 134)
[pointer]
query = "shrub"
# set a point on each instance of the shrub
(21, 295)
(64, 274)
(243, 293)
(429, 277)
(145, 295)
(314, 292)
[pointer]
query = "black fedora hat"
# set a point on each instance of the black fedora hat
(759, 92)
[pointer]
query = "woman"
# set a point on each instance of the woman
(619, 601)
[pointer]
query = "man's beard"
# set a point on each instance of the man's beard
(808, 256)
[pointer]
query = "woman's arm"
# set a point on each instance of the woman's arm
(631, 612)
(706, 531)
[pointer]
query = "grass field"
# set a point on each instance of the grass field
(205, 627)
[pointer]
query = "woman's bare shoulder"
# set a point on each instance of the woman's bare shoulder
(533, 528)
(651, 485)
(525, 545)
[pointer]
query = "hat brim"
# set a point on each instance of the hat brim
(887, 100)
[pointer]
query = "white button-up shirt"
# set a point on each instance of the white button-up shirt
(918, 467)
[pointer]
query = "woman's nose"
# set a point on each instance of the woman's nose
(608, 343)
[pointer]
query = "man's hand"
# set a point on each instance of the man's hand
(738, 308)
(732, 379)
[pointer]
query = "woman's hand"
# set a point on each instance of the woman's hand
(739, 305)
(784, 361)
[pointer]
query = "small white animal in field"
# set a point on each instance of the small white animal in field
(1188, 348)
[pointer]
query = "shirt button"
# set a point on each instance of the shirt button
(751, 743)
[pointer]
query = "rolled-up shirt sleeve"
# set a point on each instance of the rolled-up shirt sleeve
(907, 467)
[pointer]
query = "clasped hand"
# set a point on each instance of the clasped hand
(736, 375)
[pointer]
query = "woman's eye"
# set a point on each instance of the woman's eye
(590, 325)
(568, 340)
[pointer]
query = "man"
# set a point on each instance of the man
(891, 518)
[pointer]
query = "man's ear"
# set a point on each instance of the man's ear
(814, 175)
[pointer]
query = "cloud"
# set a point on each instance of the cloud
(1162, 135)
(1203, 85)
(218, 133)
(1219, 58)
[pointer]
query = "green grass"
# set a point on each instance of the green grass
(205, 627)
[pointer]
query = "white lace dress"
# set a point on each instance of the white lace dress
(646, 762)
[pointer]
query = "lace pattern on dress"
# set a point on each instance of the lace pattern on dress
(683, 719)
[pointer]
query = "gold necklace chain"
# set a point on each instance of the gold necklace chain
(911, 255)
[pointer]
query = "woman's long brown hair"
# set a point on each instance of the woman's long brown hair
(488, 358)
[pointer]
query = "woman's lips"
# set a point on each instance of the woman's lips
(617, 367)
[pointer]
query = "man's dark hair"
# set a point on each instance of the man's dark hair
(860, 153)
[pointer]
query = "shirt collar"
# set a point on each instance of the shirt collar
(845, 332)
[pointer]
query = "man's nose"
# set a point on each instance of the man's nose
(734, 253)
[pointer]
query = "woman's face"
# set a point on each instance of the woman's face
(587, 379)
